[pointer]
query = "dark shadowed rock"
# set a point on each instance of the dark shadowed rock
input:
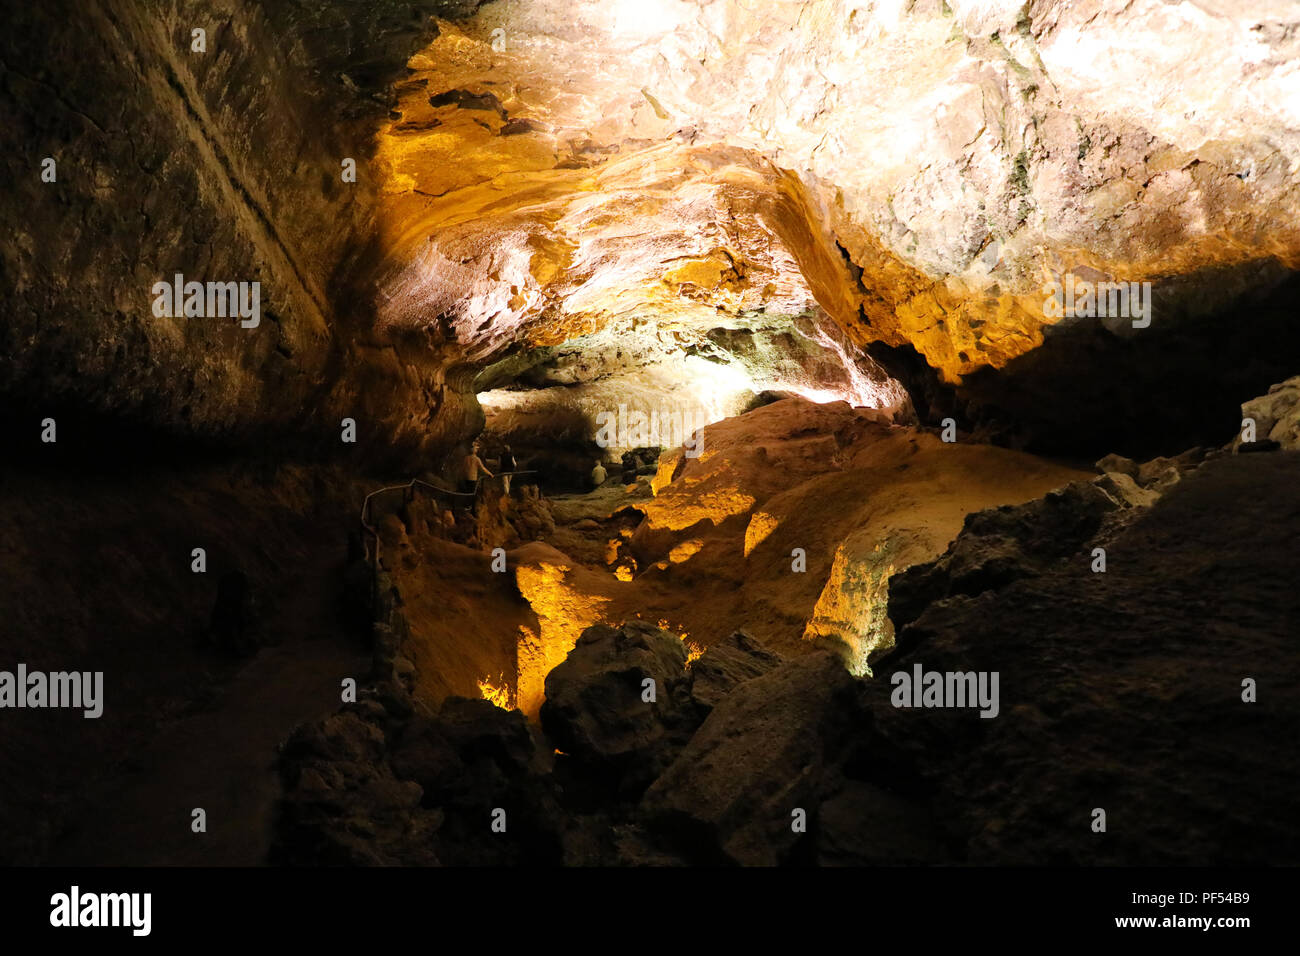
(727, 664)
(343, 805)
(235, 628)
(595, 712)
(422, 793)
(773, 745)
(469, 752)
(1122, 691)
(1004, 544)
(472, 760)
(866, 825)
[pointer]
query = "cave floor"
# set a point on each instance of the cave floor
(143, 817)
(109, 552)
(787, 526)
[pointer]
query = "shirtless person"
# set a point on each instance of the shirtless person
(473, 464)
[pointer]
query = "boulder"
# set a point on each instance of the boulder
(1118, 463)
(1002, 545)
(342, 803)
(1158, 474)
(471, 760)
(1125, 491)
(596, 713)
(375, 785)
(774, 745)
(728, 664)
(1276, 416)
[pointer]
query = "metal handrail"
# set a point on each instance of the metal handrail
(410, 486)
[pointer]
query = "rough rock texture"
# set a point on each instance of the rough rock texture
(759, 185)
(915, 173)
(679, 380)
(223, 165)
(789, 526)
(796, 515)
(1004, 146)
(347, 808)
(595, 711)
(1142, 484)
(379, 783)
(727, 664)
(1276, 416)
(421, 792)
(999, 546)
(1121, 691)
(766, 750)
(1002, 545)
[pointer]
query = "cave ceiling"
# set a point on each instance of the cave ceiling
(914, 172)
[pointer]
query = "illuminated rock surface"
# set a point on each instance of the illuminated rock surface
(1122, 702)
(861, 500)
(820, 228)
(914, 175)
(907, 173)
(620, 703)
(955, 152)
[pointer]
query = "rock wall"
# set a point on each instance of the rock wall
(546, 170)
(918, 171)
(1122, 689)
(221, 165)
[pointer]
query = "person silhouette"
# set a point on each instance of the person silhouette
(473, 464)
(507, 466)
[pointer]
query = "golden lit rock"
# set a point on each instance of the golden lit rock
(913, 173)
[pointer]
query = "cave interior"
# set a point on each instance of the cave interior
(697, 432)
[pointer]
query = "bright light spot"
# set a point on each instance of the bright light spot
(718, 391)
(694, 651)
(685, 551)
(761, 524)
(497, 692)
(670, 393)
(861, 392)
(643, 19)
